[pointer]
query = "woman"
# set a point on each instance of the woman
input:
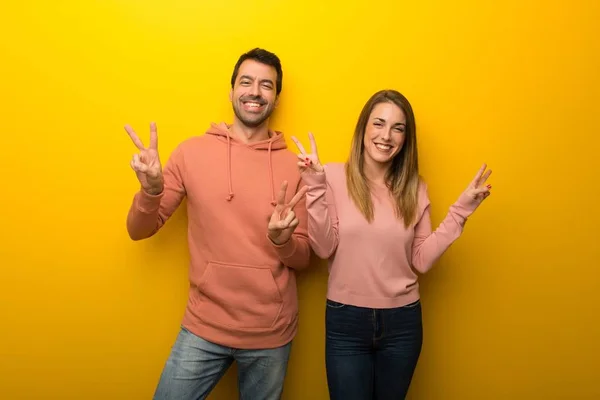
(370, 217)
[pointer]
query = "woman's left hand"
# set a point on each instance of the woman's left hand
(476, 191)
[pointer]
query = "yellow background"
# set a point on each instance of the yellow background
(510, 312)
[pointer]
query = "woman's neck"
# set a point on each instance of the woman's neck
(376, 172)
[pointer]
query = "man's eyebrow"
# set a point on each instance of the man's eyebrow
(252, 79)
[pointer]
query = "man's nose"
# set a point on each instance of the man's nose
(254, 89)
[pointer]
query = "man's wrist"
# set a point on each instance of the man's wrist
(154, 191)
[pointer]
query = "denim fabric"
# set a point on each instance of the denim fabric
(195, 366)
(371, 353)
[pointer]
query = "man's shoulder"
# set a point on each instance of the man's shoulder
(287, 155)
(196, 140)
(194, 144)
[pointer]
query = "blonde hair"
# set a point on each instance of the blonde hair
(402, 178)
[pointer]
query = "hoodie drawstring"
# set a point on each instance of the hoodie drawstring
(273, 202)
(229, 168)
(271, 181)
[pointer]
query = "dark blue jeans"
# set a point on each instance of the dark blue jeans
(371, 354)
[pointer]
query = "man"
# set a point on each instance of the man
(246, 239)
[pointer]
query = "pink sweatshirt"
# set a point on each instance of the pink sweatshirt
(374, 265)
(242, 287)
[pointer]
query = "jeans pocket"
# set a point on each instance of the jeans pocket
(334, 304)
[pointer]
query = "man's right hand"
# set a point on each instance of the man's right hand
(146, 163)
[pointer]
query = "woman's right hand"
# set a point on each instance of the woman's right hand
(309, 162)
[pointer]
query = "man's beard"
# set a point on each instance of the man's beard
(252, 120)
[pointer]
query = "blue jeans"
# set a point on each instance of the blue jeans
(371, 353)
(195, 366)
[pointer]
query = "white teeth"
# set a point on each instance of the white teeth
(253, 105)
(383, 147)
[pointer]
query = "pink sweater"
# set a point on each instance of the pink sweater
(374, 265)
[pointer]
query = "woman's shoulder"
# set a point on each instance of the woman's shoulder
(423, 194)
(335, 171)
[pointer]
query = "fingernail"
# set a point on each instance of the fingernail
(489, 186)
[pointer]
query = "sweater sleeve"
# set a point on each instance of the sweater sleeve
(148, 213)
(323, 223)
(429, 246)
(295, 253)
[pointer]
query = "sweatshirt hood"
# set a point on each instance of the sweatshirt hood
(275, 142)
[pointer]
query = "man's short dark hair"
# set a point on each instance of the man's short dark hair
(264, 57)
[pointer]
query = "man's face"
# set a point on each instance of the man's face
(254, 93)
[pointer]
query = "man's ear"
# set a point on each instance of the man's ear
(231, 95)
(276, 101)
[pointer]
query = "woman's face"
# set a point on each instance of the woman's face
(384, 134)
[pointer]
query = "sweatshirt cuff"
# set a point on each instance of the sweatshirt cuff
(465, 206)
(148, 203)
(314, 178)
(286, 249)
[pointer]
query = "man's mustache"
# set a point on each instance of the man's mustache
(255, 99)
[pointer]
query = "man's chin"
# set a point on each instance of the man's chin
(253, 122)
